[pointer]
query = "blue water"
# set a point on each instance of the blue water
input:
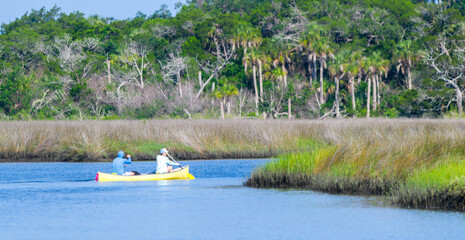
(62, 201)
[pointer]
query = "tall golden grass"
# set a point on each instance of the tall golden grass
(377, 141)
(187, 139)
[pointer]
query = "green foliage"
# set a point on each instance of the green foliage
(15, 92)
(290, 39)
(79, 92)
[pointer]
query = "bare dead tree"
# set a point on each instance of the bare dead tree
(173, 68)
(293, 27)
(70, 54)
(162, 31)
(48, 99)
(135, 54)
(447, 59)
(223, 54)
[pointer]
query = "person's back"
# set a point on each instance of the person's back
(162, 164)
(118, 163)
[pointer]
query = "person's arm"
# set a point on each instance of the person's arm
(128, 161)
(172, 163)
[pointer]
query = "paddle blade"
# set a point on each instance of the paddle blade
(190, 176)
(96, 177)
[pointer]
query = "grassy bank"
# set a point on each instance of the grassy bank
(186, 139)
(419, 163)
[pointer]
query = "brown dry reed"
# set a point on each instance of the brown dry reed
(186, 139)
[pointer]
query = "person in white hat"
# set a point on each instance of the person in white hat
(164, 164)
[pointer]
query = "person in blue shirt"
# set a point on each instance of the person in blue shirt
(119, 163)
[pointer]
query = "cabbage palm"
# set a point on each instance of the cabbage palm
(382, 68)
(367, 64)
(219, 95)
(337, 69)
(263, 61)
(406, 57)
(353, 68)
(282, 56)
(246, 36)
(308, 42)
(229, 90)
(323, 52)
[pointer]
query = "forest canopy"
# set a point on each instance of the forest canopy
(238, 58)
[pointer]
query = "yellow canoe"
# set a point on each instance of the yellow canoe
(180, 174)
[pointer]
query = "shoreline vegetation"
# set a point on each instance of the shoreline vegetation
(417, 163)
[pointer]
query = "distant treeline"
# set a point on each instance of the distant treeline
(238, 58)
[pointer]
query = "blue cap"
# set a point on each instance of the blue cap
(163, 150)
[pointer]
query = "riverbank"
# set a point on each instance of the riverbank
(418, 163)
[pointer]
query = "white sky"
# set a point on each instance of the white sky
(119, 9)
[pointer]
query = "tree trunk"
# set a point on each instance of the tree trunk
(289, 108)
(459, 101)
(261, 80)
(314, 68)
(254, 72)
(108, 71)
(213, 101)
(368, 97)
(179, 84)
(310, 70)
(285, 75)
(352, 92)
(378, 89)
(409, 77)
(245, 61)
(374, 93)
(222, 109)
(338, 113)
(142, 74)
(228, 107)
(200, 79)
(321, 83)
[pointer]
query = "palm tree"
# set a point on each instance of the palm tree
(229, 90)
(378, 66)
(308, 41)
(254, 61)
(382, 67)
(353, 68)
(219, 95)
(406, 57)
(282, 56)
(263, 61)
(337, 71)
(246, 36)
(368, 69)
(323, 52)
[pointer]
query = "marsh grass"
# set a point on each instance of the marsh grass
(195, 139)
(419, 163)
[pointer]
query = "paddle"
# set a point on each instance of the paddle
(189, 176)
